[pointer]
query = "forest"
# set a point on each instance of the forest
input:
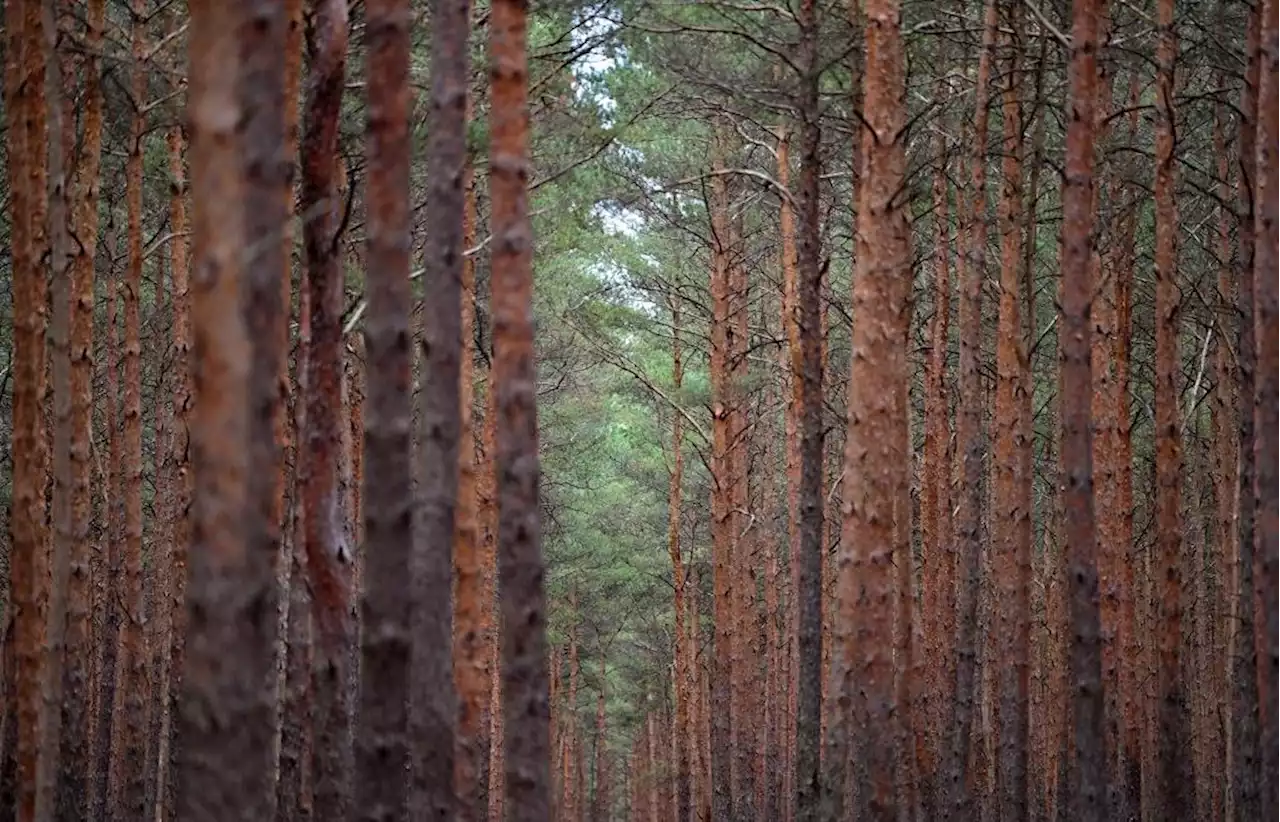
(639, 410)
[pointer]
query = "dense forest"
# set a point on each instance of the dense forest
(717, 411)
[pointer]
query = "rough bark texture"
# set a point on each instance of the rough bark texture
(174, 637)
(223, 766)
(28, 558)
(809, 783)
(938, 575)
(721, 503)
(1011, 468)
(58, 147)
(293, 799)
(520, 567)
(1087, 796)
(683, 731)
(1244, 754)
(435, 711)
(1174, 773)
(472, 629)
(1265, 391)
(330, 557)
(77, 720)
(125, 785)
(874, 469)
(382, 736)
(969, 441)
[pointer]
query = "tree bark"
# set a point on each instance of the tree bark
(874, 470)
(1174, 773)
(382, 735)
(77, 721)
(1245, 754)
(1265, 390)
(126, 789)
(223, 768)
(969, 439)
(520, 567)
(329, 555)
(1087, 796)
(1012, 482)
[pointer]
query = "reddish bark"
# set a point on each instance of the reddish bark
(329, 554)
(125, 786)
(523, 603)
(1174, 774)
(1087, 796)
(77, 720)
(1012, 480)
(721, 501)
(969, 439)
(682, 730)
(809, 784)
(223, 766)
(382, 736)
(1245, 755)
(1265, 321)
(874, 470)
(471, 623)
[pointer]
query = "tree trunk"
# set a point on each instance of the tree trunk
(1088, 794)
(969, 439)
(77, 721)
(382, 735)
(1175, 776)
(1244, 754)
(1265, 390)
(329, 555)
(721, 501)
(682, 730)
(1012, 481)
(874, 470)
(128, 734)
(223, 767)
(809, 784)
(523, 602)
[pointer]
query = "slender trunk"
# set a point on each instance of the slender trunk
(486, 495)
(293, 801)
(792, 362)
(65, 541)
(969, 439)
(1012, 481)
(382, 736)
(721, 500)
(1244, 754)
(523, 601)
(179, 478)
(435, 711)
(128, 734)
(809, 784)
(600, 800)
(28, 555)
(1265, 389)
(77, 721)
(329, 556)
(471, 624)
(263, 90)
(681, 730)
(1175, 776)
(1088, 795)
(935, 498)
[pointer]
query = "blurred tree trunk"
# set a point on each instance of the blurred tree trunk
(382, 736)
